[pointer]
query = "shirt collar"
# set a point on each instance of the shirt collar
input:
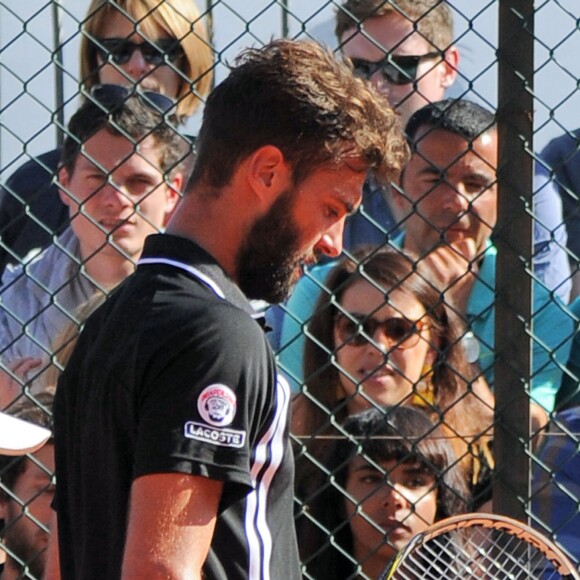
(190, 257)
(482, 296)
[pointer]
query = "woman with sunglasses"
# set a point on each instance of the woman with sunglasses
(158, 49)
(382, 336)
(395, 474)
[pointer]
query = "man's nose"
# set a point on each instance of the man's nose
(330, 243)
(455, 198)
(113, 194)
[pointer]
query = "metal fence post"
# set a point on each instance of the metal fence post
(513, 311)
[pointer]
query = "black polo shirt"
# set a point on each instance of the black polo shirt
(172, 374)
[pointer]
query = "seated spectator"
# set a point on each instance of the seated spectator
(370, 32)
(387, 338)
(394, 474)
(26, 491)
(406, 49)
(450, 185)
(155, 46)
(120, 178)
(556, 483)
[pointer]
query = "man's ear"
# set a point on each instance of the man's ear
(63, 185)
(450, 67)
(268, 173)
(173, 194)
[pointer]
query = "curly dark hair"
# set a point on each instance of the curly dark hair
(296, 96)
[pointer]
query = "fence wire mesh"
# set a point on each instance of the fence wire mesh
(471, 259)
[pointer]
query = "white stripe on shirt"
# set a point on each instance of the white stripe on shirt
(256, 524)
(193, 271)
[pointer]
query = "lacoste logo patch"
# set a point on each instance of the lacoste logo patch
(214, 436)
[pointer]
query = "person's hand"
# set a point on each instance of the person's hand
(455, 267)
(12, 377)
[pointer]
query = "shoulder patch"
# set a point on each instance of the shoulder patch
(217, 405)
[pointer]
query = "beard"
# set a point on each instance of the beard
(269, 262)
(31, 550)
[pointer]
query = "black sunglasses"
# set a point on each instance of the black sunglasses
(111, 96)
(120, 50)
(358, 330)
(396, 69)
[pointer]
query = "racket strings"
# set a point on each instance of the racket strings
(476, 553)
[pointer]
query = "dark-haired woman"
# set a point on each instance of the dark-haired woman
(394, 474)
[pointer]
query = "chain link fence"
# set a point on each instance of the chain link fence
(514, 58)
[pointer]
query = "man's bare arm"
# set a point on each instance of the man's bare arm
(171, 523)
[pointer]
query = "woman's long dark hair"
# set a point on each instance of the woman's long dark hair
(403, 434)
(390, 270)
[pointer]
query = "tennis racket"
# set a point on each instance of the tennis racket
(482, 546)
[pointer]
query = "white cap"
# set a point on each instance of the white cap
(18, 437)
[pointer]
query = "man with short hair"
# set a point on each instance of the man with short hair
(120, 177)
(26, 491)
(451, 183)
(172, 448)
(404, 47)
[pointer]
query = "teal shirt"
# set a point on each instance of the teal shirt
(552, 328)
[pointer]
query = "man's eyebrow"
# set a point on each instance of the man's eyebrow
(349, 207)
(431, 169)
(483, 176)
(150, 176)
(86, 163)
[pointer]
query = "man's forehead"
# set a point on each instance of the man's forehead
(354, 161)
(112, 151)
(439, 146)
(390, 29)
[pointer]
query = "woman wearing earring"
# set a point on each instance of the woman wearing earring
(385, 337)
(395, 474)
(143, 45)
